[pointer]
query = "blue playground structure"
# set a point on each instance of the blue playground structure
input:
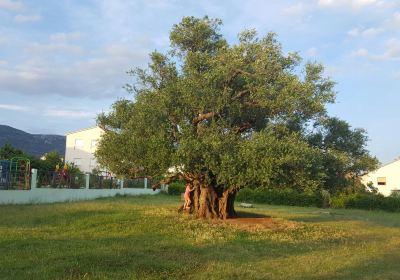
(4, 174)
(15, 173)
(20, 173)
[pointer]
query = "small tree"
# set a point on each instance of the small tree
(8, 152)
(344, 154)
(223, 116)
(50, 161)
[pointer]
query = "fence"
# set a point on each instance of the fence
(48, 187)
(51, 179)
(12, 178)
(4, 178)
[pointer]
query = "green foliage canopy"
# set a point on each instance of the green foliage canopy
(232, 115)
(48, 163)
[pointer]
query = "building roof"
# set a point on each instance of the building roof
(381, 166)
(80, 130)
(390, 162)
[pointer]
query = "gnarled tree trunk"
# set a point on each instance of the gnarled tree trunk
(212, 203)
(206, 201)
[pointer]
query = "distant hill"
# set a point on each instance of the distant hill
(33, 144)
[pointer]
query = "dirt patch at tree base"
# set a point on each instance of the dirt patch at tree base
(250, 221)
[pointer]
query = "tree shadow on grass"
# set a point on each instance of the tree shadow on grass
(145, 255)
(375, 218)
(384, 266)
(244, 214)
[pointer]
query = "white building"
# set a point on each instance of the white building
(80, 148)
(386, 178)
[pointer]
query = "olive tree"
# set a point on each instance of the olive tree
(221, 117)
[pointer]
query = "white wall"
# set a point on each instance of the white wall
(391, 172)
(85, 153)
(44, 195)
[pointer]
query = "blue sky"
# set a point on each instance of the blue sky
(62, 62)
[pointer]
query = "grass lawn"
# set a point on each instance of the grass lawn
(145, 238)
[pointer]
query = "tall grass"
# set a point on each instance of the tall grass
(145, 238)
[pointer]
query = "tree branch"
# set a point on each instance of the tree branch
(174, 127)
(202, 117)
(185, 176)
(241, 94)
(243, 127)
(167, 181)
(235, 73)
(103, 127)
(240, 71)
(253, 104)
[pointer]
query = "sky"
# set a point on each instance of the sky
(63, 62)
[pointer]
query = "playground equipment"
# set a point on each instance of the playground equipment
(20, 171)
(4, 174)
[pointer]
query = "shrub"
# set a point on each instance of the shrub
(367, 201)
(339, 201)
(279, 197)
(395, 194)
(245, 195)
(176, 188)
(325, 198)
(137, 183)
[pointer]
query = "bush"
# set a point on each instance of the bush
(395, 194)
(339, 201)
(279, 197)
(245, 195)
(367, 201)
(176, 188)
(137, 183)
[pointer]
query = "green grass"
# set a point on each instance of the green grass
(145, 238)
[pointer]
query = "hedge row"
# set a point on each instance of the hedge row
(279, 197)
(367, 201)
(176, 188)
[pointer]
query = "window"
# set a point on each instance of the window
(396, 192)
(77, 162)
(381, 181)
(94, 143)
(78, 143)
(93, 162)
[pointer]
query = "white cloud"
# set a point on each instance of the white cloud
(26, 18)
(354, 4)
(36, 48)
(360, 53)
(332, 71)
(294, 10)
(99, 74)
(394, 21)
(354, 32)
(392, 51)
(370, 32)
(312, 52)
(70, 114)
(65, 37)
(3, 40)
(13, 107)
(365, 32)
(11, 5)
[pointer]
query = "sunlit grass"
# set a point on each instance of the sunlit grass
(145, 238)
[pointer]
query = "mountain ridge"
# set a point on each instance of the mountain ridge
(32, 144)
